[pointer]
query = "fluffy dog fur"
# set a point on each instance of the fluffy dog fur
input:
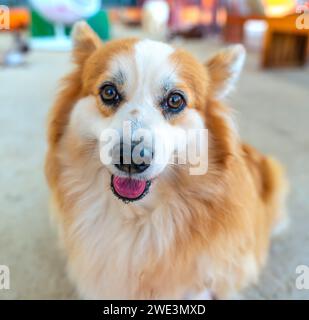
(190, 233)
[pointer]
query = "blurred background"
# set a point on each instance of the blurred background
(271, 106)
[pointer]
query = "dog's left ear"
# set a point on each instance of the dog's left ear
(85, 41)
(224, 69)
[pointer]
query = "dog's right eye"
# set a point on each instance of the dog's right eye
(109, 94)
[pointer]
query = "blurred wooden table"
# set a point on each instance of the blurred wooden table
(285, 45)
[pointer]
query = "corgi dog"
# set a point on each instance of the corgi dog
(154, 230)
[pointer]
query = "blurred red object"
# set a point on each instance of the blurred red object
(186, 14)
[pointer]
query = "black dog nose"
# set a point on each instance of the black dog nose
(135, 159)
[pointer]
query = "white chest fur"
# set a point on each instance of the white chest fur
(112, 245)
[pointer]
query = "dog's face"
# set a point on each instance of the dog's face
(139, 96)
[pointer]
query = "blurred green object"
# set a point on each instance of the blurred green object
(41, 27)
(100, 24)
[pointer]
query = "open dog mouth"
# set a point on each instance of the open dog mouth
(129, 189)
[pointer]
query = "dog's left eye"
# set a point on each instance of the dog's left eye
(109, 94)
(175, 102)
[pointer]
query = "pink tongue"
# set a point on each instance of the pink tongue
(129, 188)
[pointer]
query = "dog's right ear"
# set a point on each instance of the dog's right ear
(224, 69)
(85, 41)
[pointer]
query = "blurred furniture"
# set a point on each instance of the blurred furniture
(233, 31)
(240, 11)
(60, 14)
(42, 28)
(284, 44)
